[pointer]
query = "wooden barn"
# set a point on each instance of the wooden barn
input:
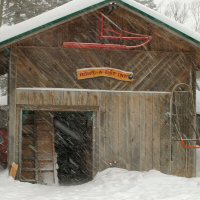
(95, 84)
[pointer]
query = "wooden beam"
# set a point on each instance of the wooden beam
(12, 107)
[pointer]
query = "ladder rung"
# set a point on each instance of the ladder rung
(45, 170)
(34, 169)
(29, 158)
(28, 169)
(28, 180)
(47, 159)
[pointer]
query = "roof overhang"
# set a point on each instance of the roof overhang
(31, 27)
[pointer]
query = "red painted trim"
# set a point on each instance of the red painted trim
(125, 38)
(79, 45)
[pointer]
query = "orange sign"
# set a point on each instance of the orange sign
(121, 75)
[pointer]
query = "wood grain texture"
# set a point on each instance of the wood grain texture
(56, 68)
(43, 62)
(12, 148)
(131, 128)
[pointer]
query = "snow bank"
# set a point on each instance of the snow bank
(113, 183)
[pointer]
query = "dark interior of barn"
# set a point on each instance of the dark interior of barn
(60, 144)
(73, 134)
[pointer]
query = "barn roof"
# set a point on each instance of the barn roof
(74, 8)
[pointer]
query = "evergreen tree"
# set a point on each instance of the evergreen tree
(3, 84)
(15, 11)
(1, 10)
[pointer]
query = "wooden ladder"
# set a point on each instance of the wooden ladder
(38, 153)
(29, 160)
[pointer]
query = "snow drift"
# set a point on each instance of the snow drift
(113, 183)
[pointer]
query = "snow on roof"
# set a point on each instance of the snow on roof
(10, 34)
(166, 21)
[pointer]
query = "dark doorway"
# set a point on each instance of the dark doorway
(56, 146)
(73, 145)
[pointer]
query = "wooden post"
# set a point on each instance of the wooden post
(12, 107)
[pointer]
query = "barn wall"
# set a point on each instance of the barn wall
(131, 128)
(86, 28)
(158, 66)
(56, 68)
(37, 160)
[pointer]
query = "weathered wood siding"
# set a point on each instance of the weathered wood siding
(37, 163)
(183, 124)
(56, 68)
(86, 28)
(158, 66)
(131, 129)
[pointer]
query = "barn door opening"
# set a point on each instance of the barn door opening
(38, 158)
(73, 145)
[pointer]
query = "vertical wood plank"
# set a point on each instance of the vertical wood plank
(148, 131)
(96, 143)
(103, 131)
(142, 117)
(123, 132)
(112, 130)
(156, 132)
(165, 135)
(12, 107)
(134, 129)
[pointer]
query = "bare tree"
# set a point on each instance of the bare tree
(148, 3)
(15, 11)
(2, 7)
(3, 84)
(195, 11)
(177, 11)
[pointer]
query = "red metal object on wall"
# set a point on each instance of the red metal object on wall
(3, 147)
(185, 146)
(112, 35)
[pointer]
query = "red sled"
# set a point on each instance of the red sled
(112, 35)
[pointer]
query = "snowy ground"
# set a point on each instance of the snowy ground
(111, 184)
